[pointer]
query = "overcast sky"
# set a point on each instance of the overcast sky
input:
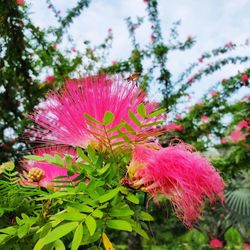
(212, 22)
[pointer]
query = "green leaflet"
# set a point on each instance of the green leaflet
(77, 237)
(134, 118)
(34, 157)
(141, 109)
(146, 216)
(108, 196)
(156, 113)
(119, 225)
(91, 224)
(108, 118)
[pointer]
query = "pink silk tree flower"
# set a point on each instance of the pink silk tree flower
(41, 173)
(186, 178)
(173, 127)
(223, 140)
(243, 124)
(215, 243)
(61, 118)
(237, 136)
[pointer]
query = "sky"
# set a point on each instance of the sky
(212, 22)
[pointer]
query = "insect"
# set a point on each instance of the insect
(133, 77)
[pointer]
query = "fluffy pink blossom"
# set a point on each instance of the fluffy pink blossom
(243, 124)
(237, 136)
(246, 246)
(173, 127)
(204, 118)
(61, 120)
(215, 243)
(183, 176)
(214, 93)
(20, 2)
(41, 173)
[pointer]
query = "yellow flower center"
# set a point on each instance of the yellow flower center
(35, 174)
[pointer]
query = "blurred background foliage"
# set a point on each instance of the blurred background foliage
(217, 125)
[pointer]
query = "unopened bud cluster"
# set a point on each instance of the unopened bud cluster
(35, 174)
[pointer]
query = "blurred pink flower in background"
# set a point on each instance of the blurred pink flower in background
(178, 117)
(204, 118)
(246, 246)
(173, 127)
(243, 124)
(199, 103)
(20, 2)
(215, 243)
(223, 140)
(214, 93)
(50, 79)
(244, 78)
(42, 173)
(237, 135)
(183, 176)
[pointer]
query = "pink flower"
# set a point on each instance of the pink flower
(237, 136)
(243, 124)
(114, 62)
(61, 118)
(199, 104)
(213, 93)
(244, 78)
(54, 46)
(200, 60)
(215, 243)
(173, 127)
(191, 80)
(145, 1)
(20, 2)
(223, 140)
(178, 117)
(41, 173)
(189, 38)
(246, 246)
(183, 176)
(50, 79)
(229, 45)
(204, 118)
(152, 37)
